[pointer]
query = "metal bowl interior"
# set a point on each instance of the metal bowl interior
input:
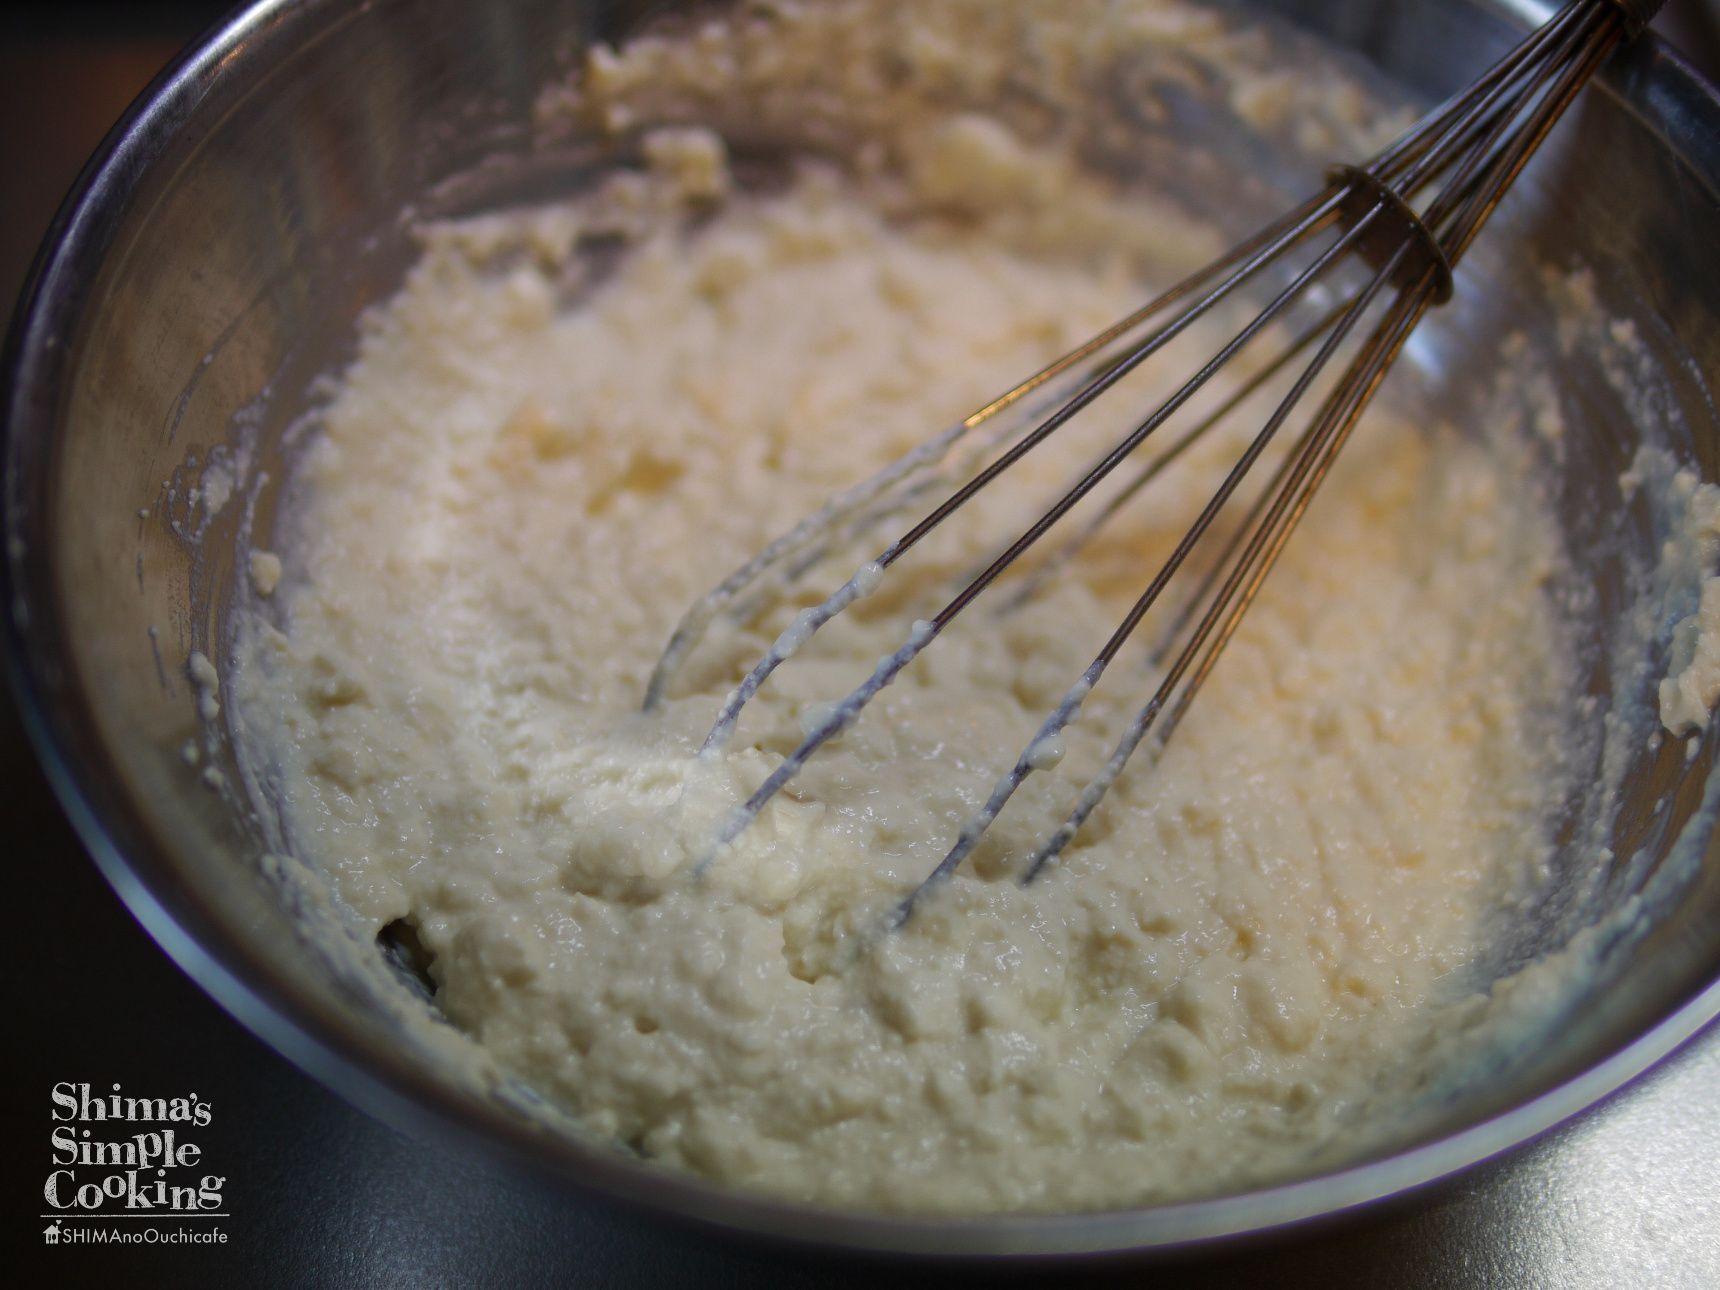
(211, 265)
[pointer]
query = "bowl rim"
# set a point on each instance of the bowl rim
(55, 712)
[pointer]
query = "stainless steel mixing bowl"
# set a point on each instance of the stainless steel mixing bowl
(210, 264)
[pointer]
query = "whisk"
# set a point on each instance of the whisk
(1408, 216)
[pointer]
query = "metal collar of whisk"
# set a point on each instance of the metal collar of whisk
(1409, 214)
(1391, 225)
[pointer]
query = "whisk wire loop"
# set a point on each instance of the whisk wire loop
(1410, 214)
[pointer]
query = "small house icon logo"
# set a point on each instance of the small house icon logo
(51, 1233)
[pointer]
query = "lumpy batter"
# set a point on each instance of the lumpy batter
(542, 456)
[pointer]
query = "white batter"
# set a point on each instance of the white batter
(533, 468)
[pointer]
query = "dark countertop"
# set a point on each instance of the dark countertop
(319, 1194)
